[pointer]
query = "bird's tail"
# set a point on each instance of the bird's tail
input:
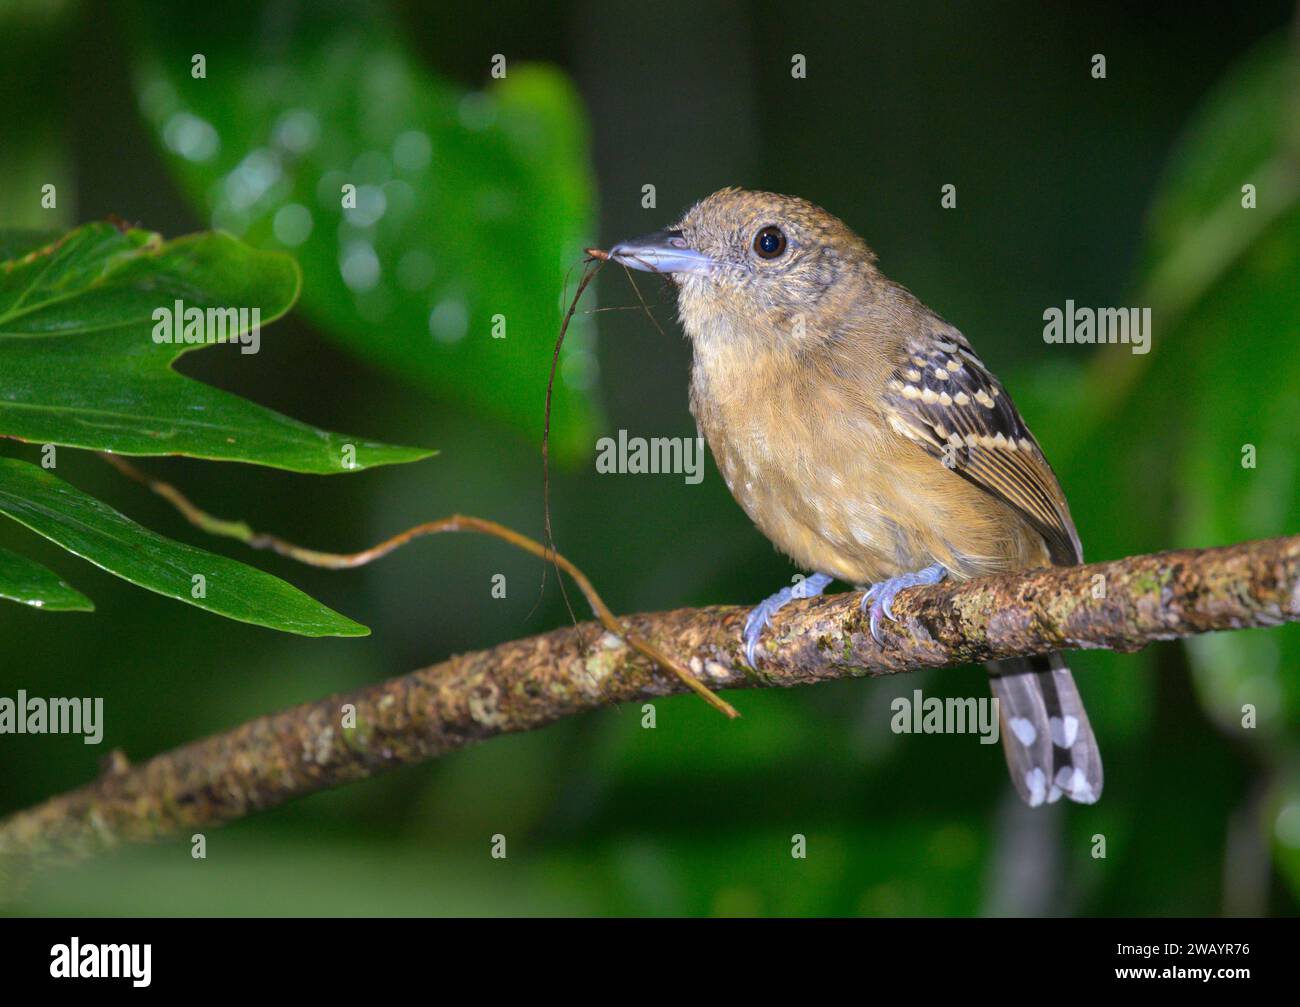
(1048, 741)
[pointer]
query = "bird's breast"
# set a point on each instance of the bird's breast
(808, 462)
(810, 456)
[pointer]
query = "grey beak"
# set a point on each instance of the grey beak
(661, 252)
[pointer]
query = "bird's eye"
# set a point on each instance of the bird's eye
(769, 242)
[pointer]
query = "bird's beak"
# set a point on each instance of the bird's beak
(661, 252)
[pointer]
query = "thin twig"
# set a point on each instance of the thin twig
(591, 267)
(526, 684)
(456, 522)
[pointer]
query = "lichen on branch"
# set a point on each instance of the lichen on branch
(525, 684)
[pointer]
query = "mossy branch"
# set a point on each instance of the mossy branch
(526, 684)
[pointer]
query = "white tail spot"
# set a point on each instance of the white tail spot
(1064, 732)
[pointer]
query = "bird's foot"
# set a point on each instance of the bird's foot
(760, 618)
(879, 598)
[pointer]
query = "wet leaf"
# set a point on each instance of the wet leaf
(29, 583)
(82, 364)
(435, 226)
(98, 533)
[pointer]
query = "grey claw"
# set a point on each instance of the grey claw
(886, 591)
(758, 620)
(761, 617)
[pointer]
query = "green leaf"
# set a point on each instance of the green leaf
(1231, 364)
(96, 532)
(1219, 278)
(471, 206)
(17, 242)
(25, 581)
(82, 367)
(1220, 379)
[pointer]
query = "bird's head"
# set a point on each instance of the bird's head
(756, 266)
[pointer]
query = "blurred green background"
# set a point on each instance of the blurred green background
(474, 197)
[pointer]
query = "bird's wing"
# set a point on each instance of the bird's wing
(943, 397)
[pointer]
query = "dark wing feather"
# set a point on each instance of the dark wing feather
(943, 397)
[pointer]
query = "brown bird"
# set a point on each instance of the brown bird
(868, 441)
